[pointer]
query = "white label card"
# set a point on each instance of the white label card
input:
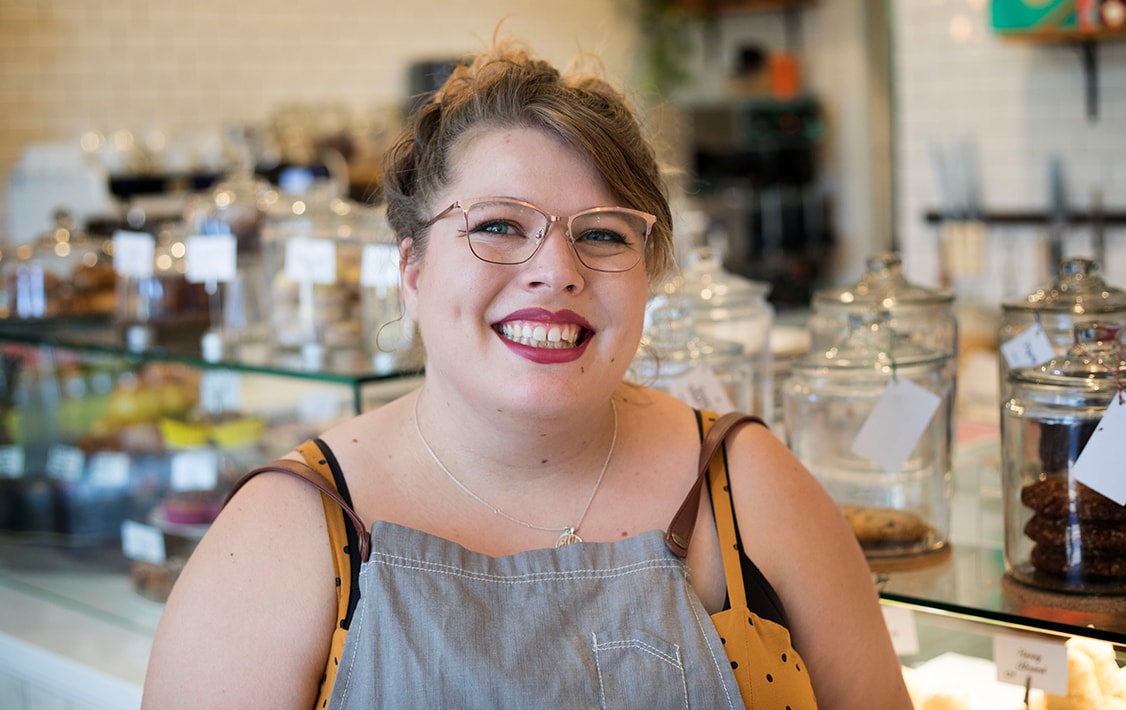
(142, 542)
(11, 462)
(1021, 659)
(310, 260)
(133, 254)
(109, 468)
(194, 470)
(1099, 464)
(901, 627)
(700, 388)
(220, 391)
(1028, 349)
(210, 258)
(894, 425)
(65, 462)
(379, 266)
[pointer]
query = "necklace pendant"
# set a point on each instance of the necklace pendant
(568, 537)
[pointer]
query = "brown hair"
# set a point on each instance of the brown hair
(505, 86)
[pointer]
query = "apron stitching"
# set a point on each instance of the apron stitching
(592, 574)
(645, 648)
(357, 623)
(711, 650)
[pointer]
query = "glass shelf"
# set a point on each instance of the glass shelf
(98, 337)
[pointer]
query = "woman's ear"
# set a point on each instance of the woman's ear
(408, 275)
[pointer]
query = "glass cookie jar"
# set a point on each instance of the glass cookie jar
(1079, 295)
(901, 513)
(1061, 535)
(728, 307)
(675, 357)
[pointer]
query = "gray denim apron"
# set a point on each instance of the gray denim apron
(591, 625)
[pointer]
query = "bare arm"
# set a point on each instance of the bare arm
(795, 533)
(249, 621)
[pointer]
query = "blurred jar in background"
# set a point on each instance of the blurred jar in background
(64, 272)
(223, 252)
(389, 333)
(312, 253)
(674, 356)
(728, 307)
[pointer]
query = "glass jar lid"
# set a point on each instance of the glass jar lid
(1079, 288)
(882, 287)
(670, 330)
(871, 344)
(1094, 361)
(718, 294)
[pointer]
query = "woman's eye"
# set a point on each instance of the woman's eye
(500, 228)
(603, 236)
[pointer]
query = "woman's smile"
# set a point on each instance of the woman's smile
(539, 334)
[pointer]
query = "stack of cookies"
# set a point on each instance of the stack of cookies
(1079, 533)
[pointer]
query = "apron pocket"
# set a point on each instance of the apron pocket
(638, 670)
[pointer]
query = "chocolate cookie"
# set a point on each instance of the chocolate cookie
(1059, 497)
(1089, 565)
(1084, 536)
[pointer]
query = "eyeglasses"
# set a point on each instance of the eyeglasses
(507, 231)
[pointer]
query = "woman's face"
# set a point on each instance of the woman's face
(475, 317)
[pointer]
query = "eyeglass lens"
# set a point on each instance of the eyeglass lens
(509, 232)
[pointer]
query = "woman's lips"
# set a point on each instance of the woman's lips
(544, 336)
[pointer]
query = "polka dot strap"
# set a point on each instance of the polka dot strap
(679, 533)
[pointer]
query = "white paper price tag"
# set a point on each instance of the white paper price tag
(133, 254)
(1033, 662)
(220, 391)
(109, 468)
(1028, 349)
(142, 542)
(65, 462)
(210, 258)
(700, 388)
(379, 266)
(310, 260)
(12, 462)
(1098, 465)
(194, 470)
(901, 627)
(894, 425)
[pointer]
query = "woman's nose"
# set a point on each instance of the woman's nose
(556, 262)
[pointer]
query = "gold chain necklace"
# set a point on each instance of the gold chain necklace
(567, 532)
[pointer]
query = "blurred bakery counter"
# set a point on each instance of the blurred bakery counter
(113, 462)
(73, 633)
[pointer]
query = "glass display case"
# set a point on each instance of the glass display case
(111, 464)
(70, 605)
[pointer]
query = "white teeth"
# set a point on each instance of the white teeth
(539, 335)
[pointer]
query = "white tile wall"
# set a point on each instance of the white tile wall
(67, 66)
(1020, 105)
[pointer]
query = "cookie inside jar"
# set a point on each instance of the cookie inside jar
(844, 409)
(1062, 535)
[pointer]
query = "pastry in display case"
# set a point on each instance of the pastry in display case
(63, 273)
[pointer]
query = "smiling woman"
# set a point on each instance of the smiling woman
(559, 512)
